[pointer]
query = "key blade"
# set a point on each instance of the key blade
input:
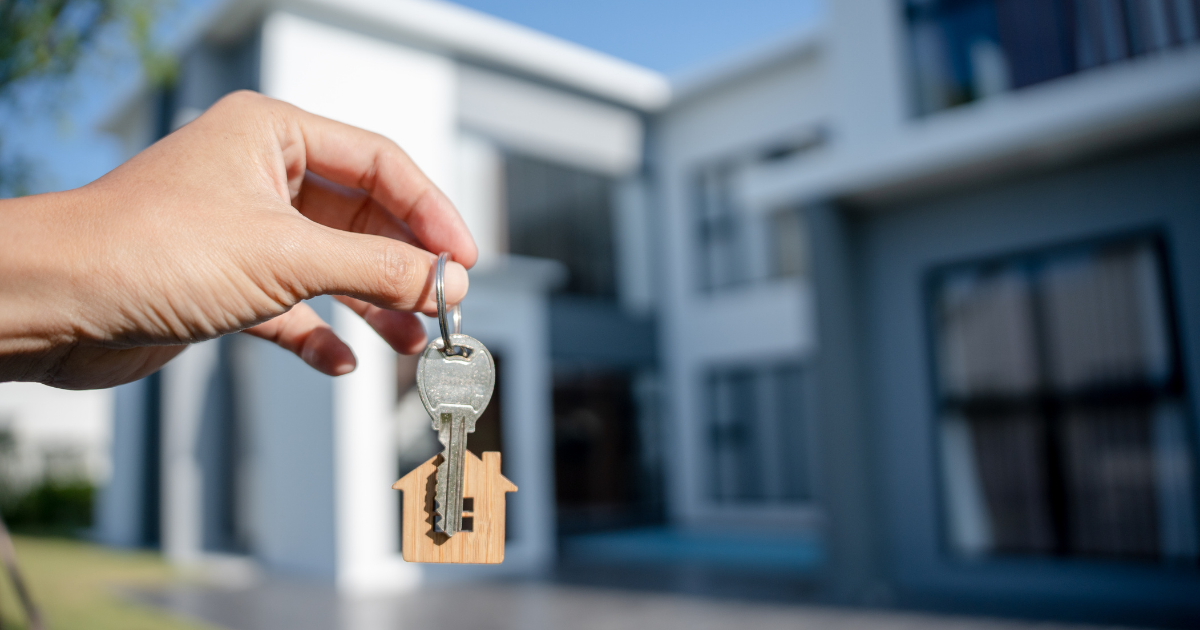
(452, 433)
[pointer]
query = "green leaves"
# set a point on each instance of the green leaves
(42, 43)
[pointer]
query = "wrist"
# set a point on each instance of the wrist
(38, 324)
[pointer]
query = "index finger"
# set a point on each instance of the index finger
(357, 158)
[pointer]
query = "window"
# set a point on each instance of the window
(739, 247)
(964, 50)
(1063, 417)
(563, 214)
(758, 435)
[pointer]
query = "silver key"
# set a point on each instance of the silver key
(455, 387)
(455, 390)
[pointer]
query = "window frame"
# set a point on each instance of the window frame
(1032, 260)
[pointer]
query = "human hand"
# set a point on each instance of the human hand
(225, 225)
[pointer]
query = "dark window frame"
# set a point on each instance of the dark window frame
(1042, 40)
(1032, 260)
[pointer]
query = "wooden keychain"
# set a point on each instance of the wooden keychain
(454, 502)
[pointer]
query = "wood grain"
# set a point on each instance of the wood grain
(483, 483)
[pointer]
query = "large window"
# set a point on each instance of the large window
(758, 435)
(563, 214)
(1064, 425)
(964, 50)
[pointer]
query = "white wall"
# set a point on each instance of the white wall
(407, 95)
(764, 321)
(550, 123)
(478, 193)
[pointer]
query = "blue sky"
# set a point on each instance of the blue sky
(670, 36)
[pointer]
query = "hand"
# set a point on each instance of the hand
(225, 225)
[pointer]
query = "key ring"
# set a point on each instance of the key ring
(439, 286)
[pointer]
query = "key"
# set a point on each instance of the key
(455, 388)
(455, 378)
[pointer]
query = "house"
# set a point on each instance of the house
(929, 292)
(896, 310)
(481, 539)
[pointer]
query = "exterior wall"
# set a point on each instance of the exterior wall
(765, 321)
(898, 244)
(549, 122)
(883, 147)
(852, 84)
(290, 502)
(126, 509)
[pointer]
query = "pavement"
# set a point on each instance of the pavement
(531, 606)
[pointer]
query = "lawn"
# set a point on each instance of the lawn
(76, 585)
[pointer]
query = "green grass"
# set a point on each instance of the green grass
(76, 584)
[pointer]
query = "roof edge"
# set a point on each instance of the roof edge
(474, 34)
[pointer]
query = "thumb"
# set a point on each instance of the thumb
(385, 272)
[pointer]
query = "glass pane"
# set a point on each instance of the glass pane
(965, 50)
(735, 464)
(1105, 319)
(789, 244)
(1011, 457)
(563, 214)
(986, 334)
(758, 434)
(1111, 481)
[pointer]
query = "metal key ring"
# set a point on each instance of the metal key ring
(439, 286)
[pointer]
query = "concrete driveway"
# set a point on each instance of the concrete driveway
(529, 606)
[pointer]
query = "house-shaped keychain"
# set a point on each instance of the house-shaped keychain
(481, 539)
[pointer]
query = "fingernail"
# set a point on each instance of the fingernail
(456, 282)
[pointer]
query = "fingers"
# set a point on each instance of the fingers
(402, 331)
(303, 332)
(381, 271)
(349, 209)
(358, 159)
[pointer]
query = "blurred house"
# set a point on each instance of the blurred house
(929, 285)
(898, 307)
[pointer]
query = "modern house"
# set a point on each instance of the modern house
(902, 306)
(930, 286)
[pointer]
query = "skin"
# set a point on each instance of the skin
(225, 225)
